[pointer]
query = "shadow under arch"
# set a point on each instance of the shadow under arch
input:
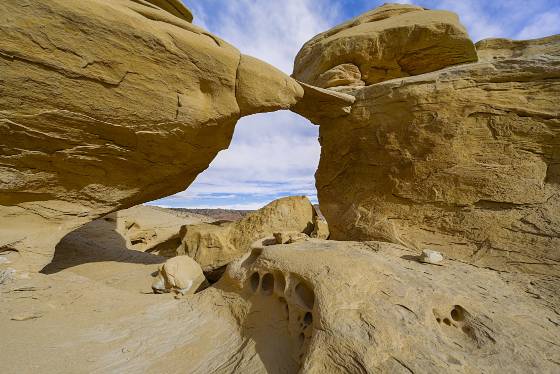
(96, 241)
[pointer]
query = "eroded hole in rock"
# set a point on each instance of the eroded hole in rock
(301, 338)
(256, 252)
(304, 295)
(212, 276)
(458, 313)
(254, 280)
(308, 319)
(280, 283)
(138, 241)
(447, 321)
(267, 285)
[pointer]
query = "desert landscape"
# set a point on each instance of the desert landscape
(434, 246)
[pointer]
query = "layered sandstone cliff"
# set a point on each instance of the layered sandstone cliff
(463, 160)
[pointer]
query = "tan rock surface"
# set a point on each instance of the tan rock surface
(175, 7)
(499, 48)
(216, 244)
(289, 237)
(394, 40)
(108, 104)
(153, 229)
(464, 161)
(181, 274)
(317, 306)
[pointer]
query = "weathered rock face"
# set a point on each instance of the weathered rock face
(152, 229)
(499, 48)
(313, 307)
(392, 41)
(346, 307)
(214, 245)
(464, 160)
(108, 104)
(175, 7)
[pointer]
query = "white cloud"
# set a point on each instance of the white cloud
(544, 24)
(273, 31)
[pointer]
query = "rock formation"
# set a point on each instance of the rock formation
(108, 104)
(152, 229)
(462, 160)
(181, 274)
(313, 307)
(391, 41)
(214, 245)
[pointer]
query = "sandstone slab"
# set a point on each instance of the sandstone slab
(392, 41)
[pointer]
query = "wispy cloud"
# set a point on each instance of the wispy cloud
(544, 24)
(270, 30)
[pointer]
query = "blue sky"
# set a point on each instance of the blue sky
(276, 154)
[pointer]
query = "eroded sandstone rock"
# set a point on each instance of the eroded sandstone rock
(317, 307)
(108, 104)
(463, 160)
(152, 229)
(181, 274)
(392, 41)
(214, 245)
(347, 307)
(289, 237)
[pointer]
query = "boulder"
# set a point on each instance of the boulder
(392, 41)
(108, 104)
(431, 257)
(463, 160)
(320, 226)
(214, 245)
(181, 274)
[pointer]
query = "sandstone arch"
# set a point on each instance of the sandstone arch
(106, 105)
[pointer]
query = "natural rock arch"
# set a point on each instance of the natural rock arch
(108, 105)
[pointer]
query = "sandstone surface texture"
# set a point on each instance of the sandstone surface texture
(392, 41)
(180, 274)
(152, 229)
(464, 160)
(214, 245)
(108, 104)
(313, 307)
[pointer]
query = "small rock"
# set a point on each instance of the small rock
(289, 237)
(6, 275)
(181, 274)
(431, 257)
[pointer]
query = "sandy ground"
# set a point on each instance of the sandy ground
(92, 311)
